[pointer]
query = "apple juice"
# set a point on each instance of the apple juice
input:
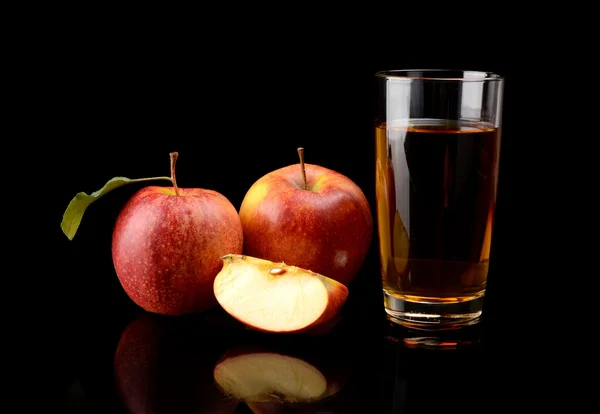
(436, 186)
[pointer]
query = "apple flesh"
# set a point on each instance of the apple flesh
(325, 227)
(166, 247)
(276, 297)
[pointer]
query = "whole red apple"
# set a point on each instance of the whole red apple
(308, 216)
(167, 246)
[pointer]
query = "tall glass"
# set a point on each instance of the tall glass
(437, 157)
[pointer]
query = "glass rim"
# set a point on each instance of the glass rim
(446, 75)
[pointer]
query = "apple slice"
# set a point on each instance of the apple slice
(275, 297)
(266, 377)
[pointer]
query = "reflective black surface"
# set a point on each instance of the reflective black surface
(117, 358)
(154, 364)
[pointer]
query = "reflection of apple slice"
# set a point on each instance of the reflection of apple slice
(275, 297)
(265, 407)
(265, 377)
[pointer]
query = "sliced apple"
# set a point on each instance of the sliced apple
(276, 297)
(265, 377)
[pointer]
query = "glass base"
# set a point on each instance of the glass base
(427, 315)
(463, 337)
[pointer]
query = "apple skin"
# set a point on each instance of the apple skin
(166, 248)
(326, 229)
(164, 366)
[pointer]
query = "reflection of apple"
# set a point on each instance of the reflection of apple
(385, 215)
(401, 246)
(167, 244)
(308, 216)
(268, 381)
(161, 368)
(393, 240)
(275, 297)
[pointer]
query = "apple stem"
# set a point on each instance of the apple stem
(301, 155)
(174, 156)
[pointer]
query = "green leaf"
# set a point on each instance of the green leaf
(74, 212)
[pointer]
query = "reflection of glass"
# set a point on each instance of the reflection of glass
(270, 380)
(437, 151)
(161, 366)
(445, 379)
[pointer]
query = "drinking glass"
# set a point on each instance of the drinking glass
(437, 135)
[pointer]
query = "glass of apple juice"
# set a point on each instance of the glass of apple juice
(437, 135)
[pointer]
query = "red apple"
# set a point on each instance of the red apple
(276, 297)
(308, 216)
(162, 366)
(167, 243)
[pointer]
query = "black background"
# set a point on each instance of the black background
(236, 97)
